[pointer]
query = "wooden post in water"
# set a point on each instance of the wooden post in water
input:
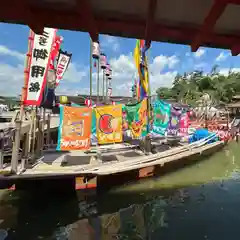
(16, 144)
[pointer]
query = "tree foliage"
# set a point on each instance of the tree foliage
(189, 87)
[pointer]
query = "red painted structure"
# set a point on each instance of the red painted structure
(212, 23)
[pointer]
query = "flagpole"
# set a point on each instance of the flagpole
(106, 88)
(103, 85)
(98, 82)
(90, 69)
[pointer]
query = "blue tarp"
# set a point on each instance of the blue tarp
(201, 134)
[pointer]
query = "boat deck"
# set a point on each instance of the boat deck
(114, 159)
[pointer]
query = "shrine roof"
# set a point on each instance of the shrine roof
(211, 23)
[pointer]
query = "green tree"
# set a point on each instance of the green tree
(189, 87)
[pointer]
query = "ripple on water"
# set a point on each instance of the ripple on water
(200, 201)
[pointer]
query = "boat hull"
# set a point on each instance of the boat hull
(104, 182)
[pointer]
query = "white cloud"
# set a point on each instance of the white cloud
(64, 89)
(222, 56)
(124, 74)
(8, 52)
(200, 65)
(160, 62)
(225, 71)
(200, 52)
(11, 79)
(110, 42)
(75, 73)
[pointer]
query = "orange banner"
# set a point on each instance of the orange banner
(109, 124)
(75, 128)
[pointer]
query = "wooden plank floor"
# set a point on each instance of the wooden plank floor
(114, 161)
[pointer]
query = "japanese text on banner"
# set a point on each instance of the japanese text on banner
(75, 128)
(109, 124)
(40, 60)
(62, 64)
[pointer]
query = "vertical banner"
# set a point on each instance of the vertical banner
(75, 128)
(173, 126)
(184, 124)
(109, 124)
(64, 59)
(55, 50)
(137, 118)
(39, 64)
(161, 116)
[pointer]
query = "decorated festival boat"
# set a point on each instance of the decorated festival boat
(101, 142)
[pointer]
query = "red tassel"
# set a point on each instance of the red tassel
(95, 64)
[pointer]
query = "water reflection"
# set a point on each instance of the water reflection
(198, 202)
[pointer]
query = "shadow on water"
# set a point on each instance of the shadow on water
(201, 201)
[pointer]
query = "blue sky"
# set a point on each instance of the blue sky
(166, 60)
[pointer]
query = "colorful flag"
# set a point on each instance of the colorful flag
(75, 128)
(173, 126)
(184, 124)
(109, 124)
(141, 63)
(161, 116)
(63, 61)
(137, 118)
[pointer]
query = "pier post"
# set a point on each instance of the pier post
(48, 130)
(1, 149)
(16, 145)
(147, 144)
(38, 135)
(25, 151)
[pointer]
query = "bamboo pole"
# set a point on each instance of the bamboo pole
(38, 135)
(43, 129)
(103, 86)
(98, 82)
(106, 88)
(48, 130)
(16, 144)
(1, 149)
(34, 132)
(90, 69)
(30, 133)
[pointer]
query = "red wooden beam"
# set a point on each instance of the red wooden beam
(152, 6)
(23, 8)
(124, 26)
(209, 23)
(85, 10)
(236, 2)
(235, 50)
